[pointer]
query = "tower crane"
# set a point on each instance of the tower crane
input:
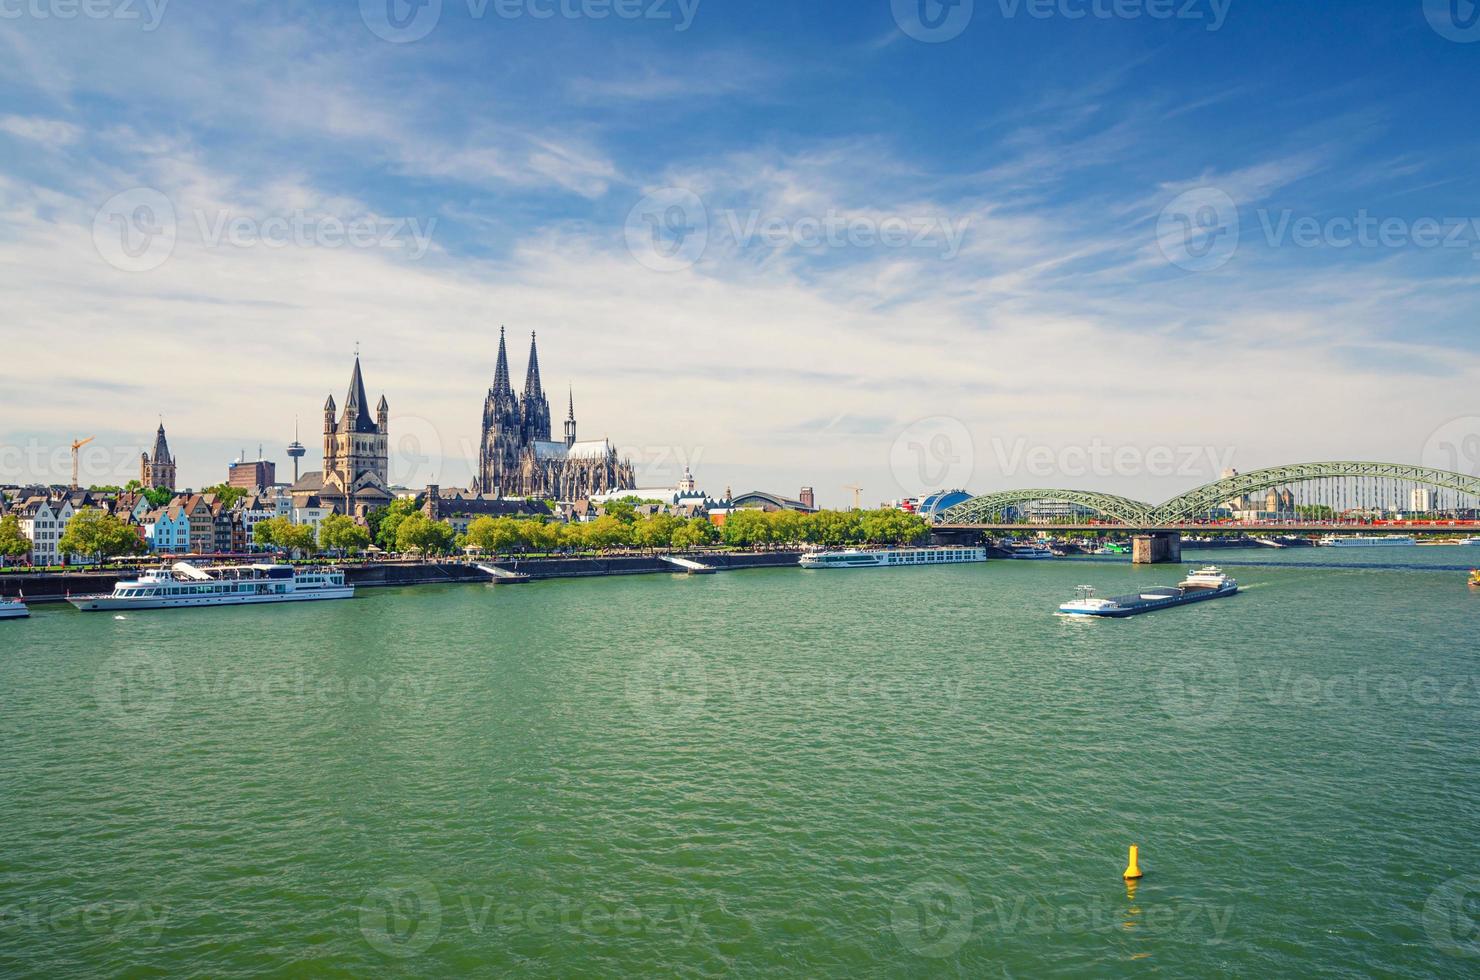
(76, 445)
(857, 497)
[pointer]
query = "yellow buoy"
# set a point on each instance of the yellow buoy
(1133, 868)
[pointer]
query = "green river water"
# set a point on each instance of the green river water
(892, 772)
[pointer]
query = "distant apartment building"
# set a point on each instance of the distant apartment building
(255, 476)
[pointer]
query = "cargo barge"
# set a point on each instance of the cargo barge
(1206, 583)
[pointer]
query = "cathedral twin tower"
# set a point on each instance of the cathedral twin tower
(517, 457)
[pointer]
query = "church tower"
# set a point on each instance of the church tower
(498, 457)
(357, 445)
(570, 423)
(158, 472)
(535, 421)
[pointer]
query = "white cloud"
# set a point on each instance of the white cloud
(53, 134)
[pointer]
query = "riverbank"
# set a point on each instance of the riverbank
(53, 587)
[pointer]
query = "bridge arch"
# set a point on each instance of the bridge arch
(1200, 501)
(979, 510)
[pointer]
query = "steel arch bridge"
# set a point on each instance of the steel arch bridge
(1205, 498)
(978, 509)
(1189, 506)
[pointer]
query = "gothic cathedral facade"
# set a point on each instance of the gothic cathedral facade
(518, 458)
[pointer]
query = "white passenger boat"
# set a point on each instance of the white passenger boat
(882, 557)
(229, 585)
(1368, 541)
(1029, 552)
(13, 609)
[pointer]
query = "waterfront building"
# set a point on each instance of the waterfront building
(256, 508)
(168, 530)
(158, 471)
(312, 509)
(517, 457)
(43, 520)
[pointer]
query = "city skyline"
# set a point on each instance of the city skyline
(797, 346)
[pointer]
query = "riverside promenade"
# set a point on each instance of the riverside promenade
(50, 587)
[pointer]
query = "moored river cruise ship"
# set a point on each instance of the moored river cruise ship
(230, 585)
(890, 557)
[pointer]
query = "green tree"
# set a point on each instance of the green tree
(624, 509)
(13, 544)
(343, 534)
(495, 535)
(386, 522)
(747, 529)
(265, 534)
(280, 532)
(417, 531)
(158, 496)
(606, 532)
(656, 531)
(693, 533)
(225, 493)
(99, 534)
(540, 536)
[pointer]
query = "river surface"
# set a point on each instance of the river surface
(891, 772)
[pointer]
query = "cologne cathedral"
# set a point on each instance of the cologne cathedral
(518, 458)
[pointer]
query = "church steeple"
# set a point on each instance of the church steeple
(501, 373)
(570, 422)
(534, 422)
(161, 447)
(357, 416)
(532, 388)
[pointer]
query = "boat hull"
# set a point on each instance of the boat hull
(110, 604)
(9, 611)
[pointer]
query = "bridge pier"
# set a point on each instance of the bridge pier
(1156, 548)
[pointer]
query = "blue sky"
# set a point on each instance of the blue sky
(788, 243)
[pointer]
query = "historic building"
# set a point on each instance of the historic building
(356, 474)
(158, 470)
(517, 457)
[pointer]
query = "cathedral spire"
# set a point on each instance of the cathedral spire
(570, 422)
(532, 387)
(161, 446)
(501, 373)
